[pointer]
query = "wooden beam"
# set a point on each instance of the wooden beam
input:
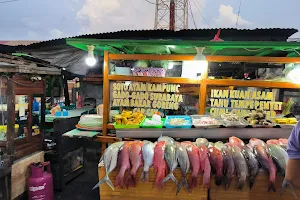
(153, 79)
(106, 88)
(202, 98)
(249, 83)
(11, 133)
(252, 59)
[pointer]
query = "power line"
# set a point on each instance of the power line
(201, 14)
(203, 8)
(9, 1)
(150, 2)
(192, 14)
(238, 16)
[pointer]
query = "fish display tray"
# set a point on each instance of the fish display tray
(236, 124)
(146, 191)
(258, 192)
(153, 126)
(195, 117)
(186, 118)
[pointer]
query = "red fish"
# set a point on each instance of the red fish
(194, 157)
(205, 167)
(236, 142)
(159, 163)
(254, 141)
(123, 164)
(216, 161)
(267, 163)
(136, 161)
(283, 141)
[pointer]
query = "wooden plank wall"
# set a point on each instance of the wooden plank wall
(20, 172)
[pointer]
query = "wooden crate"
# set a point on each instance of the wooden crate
(146, 190)
(258, 192)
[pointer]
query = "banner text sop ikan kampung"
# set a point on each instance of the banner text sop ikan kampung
(147, 98)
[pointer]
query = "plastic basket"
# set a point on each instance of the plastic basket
(186, 118)
(152, 126)
(196, 117)
(131, 126)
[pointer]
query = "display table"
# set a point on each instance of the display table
(75, 133)
(71, 113)
(146, 190)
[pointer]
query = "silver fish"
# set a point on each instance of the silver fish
(110, 159)
(279, 156)
(201, 142)
(253, 164)
(148, 154)
(228, 166)
(167, 139)
(171, 159)
(184, 163)
(240, 166)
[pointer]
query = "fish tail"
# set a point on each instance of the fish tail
(170, 176)
(159, 178)
(240, 184)
(183, 183)
(272, 186)
(145, 176)
(227, 182)
(286, 184)
(105, 180)
(251, 182)
(219, 179)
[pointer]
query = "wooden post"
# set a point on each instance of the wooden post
(66, 88)
(202, 98)
(10, 133)
(106, 104)
(29, 119)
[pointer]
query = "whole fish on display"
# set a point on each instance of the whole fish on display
(253, 164)
(201, 142)
(283, 143)
(228, 165)
(136, 161)
(184, 163)
(234, 141)
(280, 157)
(159, 163)
(267, 163)
(205, 167)
(110, 159)
(167, 139)
(273, 141)
(171, 159)
(123, 163)
(216, 162)
(254, 141)
(210, 144)
(148, 154)
(240, 166)
(194, 158)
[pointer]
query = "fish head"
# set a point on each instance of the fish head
(255, 141)
(283, 141)
(235, 141)
(273, 141)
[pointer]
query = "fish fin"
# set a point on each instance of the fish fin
(286, 184)
(251, 182)
(271, 187)
(240, 184)
(170, 176)
(105, 180)
(179, 187)
(226, 182)
(130, 181)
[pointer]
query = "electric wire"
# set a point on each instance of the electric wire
(201, 14)
(203, 8)
(150, 2)
(192, 15)
(238, 15)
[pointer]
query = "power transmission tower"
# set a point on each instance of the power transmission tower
(166, 10)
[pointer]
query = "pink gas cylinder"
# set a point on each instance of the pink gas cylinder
(40, 182)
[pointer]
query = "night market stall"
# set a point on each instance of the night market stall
(146, 101)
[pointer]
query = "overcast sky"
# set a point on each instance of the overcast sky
(49, 19)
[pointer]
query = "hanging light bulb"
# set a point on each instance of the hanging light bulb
(201, 61)
(90, 60)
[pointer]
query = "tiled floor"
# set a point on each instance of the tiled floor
(81, 187)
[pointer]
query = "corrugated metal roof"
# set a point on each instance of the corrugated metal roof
(273, 34)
